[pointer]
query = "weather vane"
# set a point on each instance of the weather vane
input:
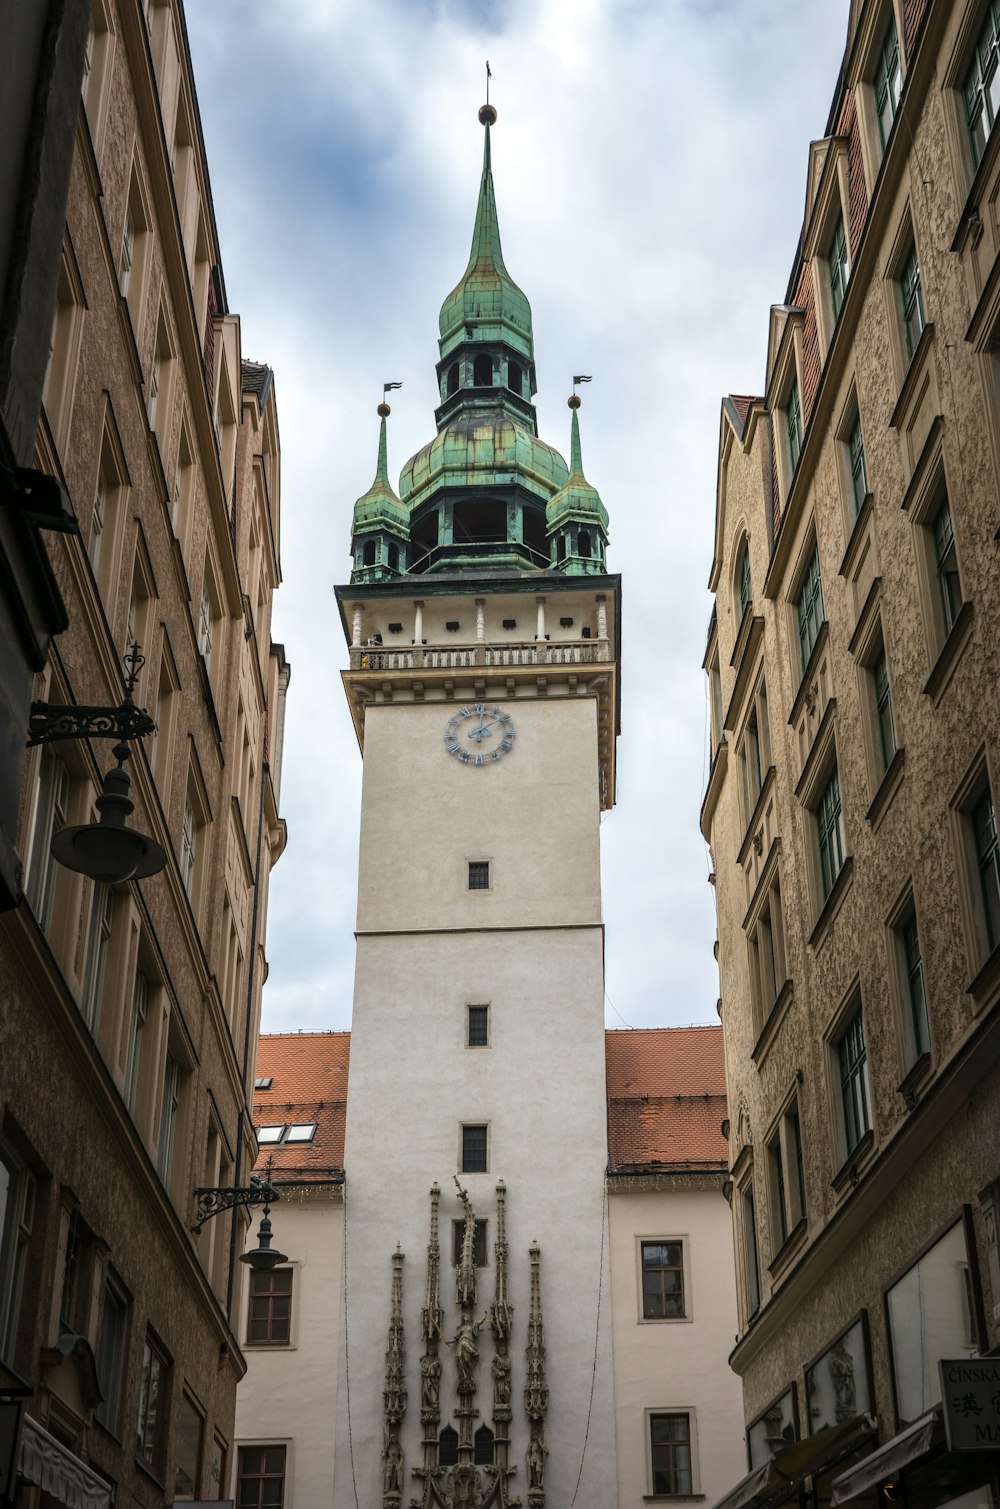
(580, 379)
(489, 75)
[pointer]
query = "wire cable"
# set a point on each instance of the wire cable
(597, 1335)
(347, 1362)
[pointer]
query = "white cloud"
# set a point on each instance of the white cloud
(650, 166)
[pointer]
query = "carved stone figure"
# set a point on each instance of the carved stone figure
(430, 1382)
(535, 1461)
(467, 1353)
(501, 1380)
(842, 1376)
(392, 1469)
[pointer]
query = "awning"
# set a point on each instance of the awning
(798, 1460)
(46, 1462)
(911, 1443)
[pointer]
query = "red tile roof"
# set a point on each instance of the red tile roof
(308, 1072)
(742, 402)
(666, 1098)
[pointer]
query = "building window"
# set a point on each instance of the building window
(71, 1272)
(852, 1063)
(662, 1280)
(750, 1255)
(515, 383)
(17, 1215)
(888, 82)
(982, 83)
(931, 1314)
(51, 806)
(984, 832)
(744, 586)
(838, 263)
(169, 1104)
(910, 965)
(754, 751)
(886, 744)
(260, 1477)
(448, 1447)
(111, 1354)
(912, 299)
(478, 1033)
(98, 941)
(482, 1447)
(479, 874)
(787, 1177)
(809, 608)
(946, 566)
(772, 1431)
(301, 1131)
(856, 462)
(830, 833)
(269, 1319)
(133, 1055)
(478, 1243)
(670, 1454)
(474, 1149)
(793, 427)
(766, 937)
(269, 1134)
(153, 1405)
(190, 1445)
(482, 371)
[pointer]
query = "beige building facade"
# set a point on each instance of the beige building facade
(131, 1010)
(850, 806)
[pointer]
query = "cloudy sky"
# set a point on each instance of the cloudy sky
(649, 161)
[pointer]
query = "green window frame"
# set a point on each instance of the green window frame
(859, 468)
(984, 828)
(830, 832)
(793, 425)
(809, 608)
(744, 583)
(839, 264)
(852, 1055)
(916, 993)
(883, 709)
(946, 566)
(911, 295)
(982, 84)
(888, 82)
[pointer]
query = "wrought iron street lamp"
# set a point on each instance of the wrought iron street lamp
(260, 1191)
(109, 850)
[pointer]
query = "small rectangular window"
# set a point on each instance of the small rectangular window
(830, 833)
(98, 941)
(154, 1405)
(946, 566)
(478, 1243)
(51, 807)
(269, 1317)
(984, 831)
(260, 1477)
(662, 1280)
(474, 1149)
(793, 426)
(809, 608)
(852, 1060)
(911, 974)
(858, 468)
(17, 1212)
(137, 1021)
(786, 1175)
(478, 1027)
(912, 299)
(752, 1264)
(168, 1118)
(269, 1134)
(111, 1354)
(301, 1131)
(479, 874)
(189, 1445)
(670, 1453)
(982, 83)
(888, 82)
(883, 711)
(839, 266)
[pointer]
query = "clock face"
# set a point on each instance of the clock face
(479, 734)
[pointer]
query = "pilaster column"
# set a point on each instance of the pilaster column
(418, 622)
(540, 620)
(602, 616)
(480, 619)
(357, 614)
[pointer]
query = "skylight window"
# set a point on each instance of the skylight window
(269, 1134)
(301, 1131)
(264, 1082)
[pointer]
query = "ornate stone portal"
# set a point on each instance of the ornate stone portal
(479, 1474)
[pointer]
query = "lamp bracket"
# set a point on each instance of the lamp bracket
(212, 1202)
(50, 721)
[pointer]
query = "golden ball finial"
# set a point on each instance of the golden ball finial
(574, 400)
(487, 115)
(383, 410)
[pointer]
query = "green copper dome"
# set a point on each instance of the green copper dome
(577, 500)
(479, 452)
(487, 304)
(379, 508)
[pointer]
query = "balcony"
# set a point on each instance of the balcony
(384, 658)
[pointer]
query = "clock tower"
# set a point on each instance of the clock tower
(483, 681)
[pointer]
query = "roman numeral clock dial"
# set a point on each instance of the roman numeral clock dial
(479, 734)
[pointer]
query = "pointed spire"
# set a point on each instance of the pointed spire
(577, 502)
(575, 458)
(486, 250)
(379, 507)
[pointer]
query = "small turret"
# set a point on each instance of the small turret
(380, 529)
(576, 521)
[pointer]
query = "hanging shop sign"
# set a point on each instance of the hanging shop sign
(970, 1393)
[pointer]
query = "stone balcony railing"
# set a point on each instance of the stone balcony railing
(487, 656)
